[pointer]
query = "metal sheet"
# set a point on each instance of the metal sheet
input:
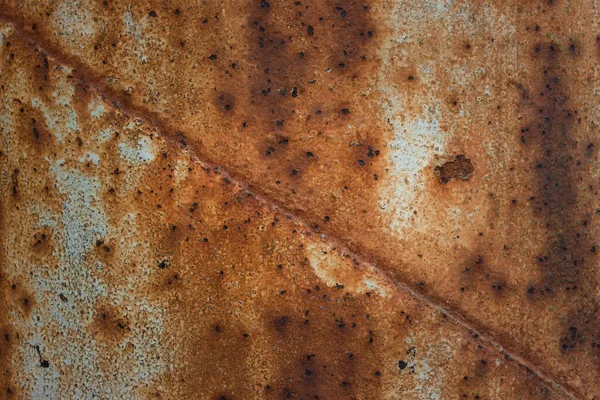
(449, 146)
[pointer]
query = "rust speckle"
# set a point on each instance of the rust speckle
(14, 177)
(8, 338)
(22, 299)
(285, 58)
(460, 168)
(109, 326)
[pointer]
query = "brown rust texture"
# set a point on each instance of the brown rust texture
(156, 276)
(459, 168)
(182, 176)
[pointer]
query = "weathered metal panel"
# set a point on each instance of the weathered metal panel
(132, 269)
(447, 147)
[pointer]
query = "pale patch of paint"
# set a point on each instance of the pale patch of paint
(90, 157)
(425, 367)
(324, 265)
(432, 378)
(46, 218)
(181, 171)
(63, 89)
(415, 146)
(418, 139)
(45, 383)
(73, 18)
(96, 108)
(143, 152)
(333, 269)
(136, 29)
(375, 286)
(418, 12)
(60, 324)
(414, 143)
(60, 121)
(105, 135)
(129, 126)
(403, 38)
(437, 8)
(84, 222)
(79, 225)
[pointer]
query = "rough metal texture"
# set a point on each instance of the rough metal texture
(296, 199)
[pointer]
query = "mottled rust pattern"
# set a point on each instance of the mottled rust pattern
(129, 268)
(349, 116)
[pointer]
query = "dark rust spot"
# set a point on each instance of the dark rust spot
(14, 177)
(460, 168)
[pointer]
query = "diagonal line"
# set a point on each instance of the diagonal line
(176, 138)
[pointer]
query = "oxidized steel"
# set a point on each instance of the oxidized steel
(361, 199)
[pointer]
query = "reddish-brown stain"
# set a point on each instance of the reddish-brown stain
(459, 168)
(8, 338)
(109, 326)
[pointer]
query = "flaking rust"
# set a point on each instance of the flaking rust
(167, 171)
(459, 168)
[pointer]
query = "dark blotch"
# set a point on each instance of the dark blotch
(460, 168)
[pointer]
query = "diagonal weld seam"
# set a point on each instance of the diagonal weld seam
(176, 138)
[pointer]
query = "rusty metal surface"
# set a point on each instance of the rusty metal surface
(131, 268)
(443, 154)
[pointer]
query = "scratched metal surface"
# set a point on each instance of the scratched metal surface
(442, 153)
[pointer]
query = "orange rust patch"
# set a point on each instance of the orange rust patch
(109, 325)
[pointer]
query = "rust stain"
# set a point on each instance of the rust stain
(563, 198)
(109, 326)
(8, 335)
(460, 168)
